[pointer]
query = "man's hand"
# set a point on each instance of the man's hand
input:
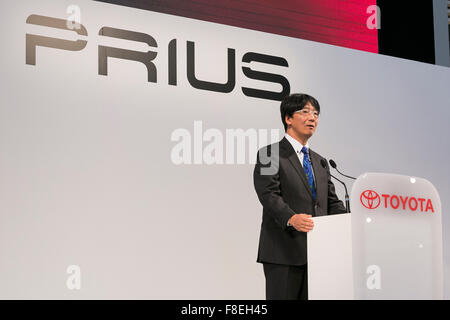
(302, 222)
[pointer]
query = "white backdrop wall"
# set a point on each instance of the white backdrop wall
(86, 174)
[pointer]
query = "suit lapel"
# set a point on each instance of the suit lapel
(295, 162)
(320, 174)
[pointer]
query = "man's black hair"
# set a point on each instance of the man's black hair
(295, 102)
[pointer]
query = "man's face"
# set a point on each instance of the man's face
(303, 123)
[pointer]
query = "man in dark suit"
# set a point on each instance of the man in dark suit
(293, 184)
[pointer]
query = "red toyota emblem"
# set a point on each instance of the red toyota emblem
(370, 199)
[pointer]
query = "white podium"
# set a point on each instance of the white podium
(389, 247)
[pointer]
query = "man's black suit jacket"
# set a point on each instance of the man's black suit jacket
(284, 192)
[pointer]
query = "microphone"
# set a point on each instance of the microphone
(323, 162)
(333, 164)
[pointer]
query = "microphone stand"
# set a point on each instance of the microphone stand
(347, 198)
(323, 162)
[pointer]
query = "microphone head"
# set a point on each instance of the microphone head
(323, 162)
(332, 163)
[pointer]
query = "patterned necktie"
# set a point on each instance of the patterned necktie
(308, 171)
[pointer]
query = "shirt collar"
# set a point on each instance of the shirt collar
(296, 144)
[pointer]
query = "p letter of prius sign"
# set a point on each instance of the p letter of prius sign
(146, 58)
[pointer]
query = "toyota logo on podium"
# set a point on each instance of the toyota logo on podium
(370, 199)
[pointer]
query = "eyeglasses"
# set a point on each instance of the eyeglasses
(306, 112)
